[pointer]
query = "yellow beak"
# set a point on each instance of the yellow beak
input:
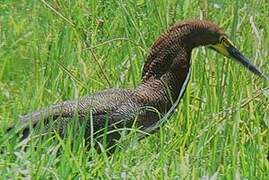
(221, 49)
(228, 49)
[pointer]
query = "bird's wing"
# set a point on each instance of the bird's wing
(97, 105)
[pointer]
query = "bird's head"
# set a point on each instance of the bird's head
(183, 37)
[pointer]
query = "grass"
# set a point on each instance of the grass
(53, 50)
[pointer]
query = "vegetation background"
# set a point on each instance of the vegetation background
(52, 50)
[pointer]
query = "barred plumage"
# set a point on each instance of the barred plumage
(165, 76)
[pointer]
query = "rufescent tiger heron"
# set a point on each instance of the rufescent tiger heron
(165, 76)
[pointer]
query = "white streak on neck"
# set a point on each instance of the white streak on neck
(173, 107)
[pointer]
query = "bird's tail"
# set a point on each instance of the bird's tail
(26, 123)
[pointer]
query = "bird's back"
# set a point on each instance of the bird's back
(109, 111)
(110, 108)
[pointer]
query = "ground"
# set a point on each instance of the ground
(53, 50)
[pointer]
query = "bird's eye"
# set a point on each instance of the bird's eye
(222, 39)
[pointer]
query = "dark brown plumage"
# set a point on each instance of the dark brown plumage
(165, 77)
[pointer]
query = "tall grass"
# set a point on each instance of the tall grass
(52, 51)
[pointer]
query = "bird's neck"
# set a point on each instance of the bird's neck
(177, 44)
(164, 91)
(168, 65)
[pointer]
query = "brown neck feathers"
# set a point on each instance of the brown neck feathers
(176, 45)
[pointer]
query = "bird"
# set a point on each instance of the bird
(165, 76)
